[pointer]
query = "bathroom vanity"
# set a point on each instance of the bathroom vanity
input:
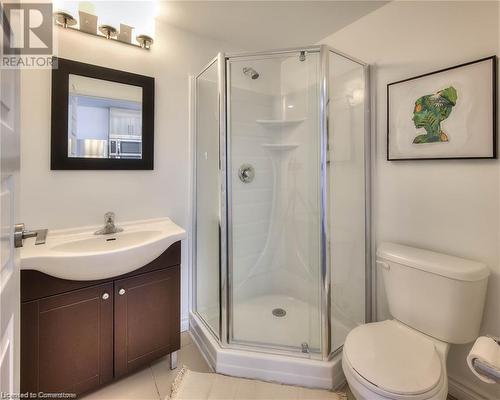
(77, 335)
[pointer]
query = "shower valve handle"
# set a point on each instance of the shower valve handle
(246, 173)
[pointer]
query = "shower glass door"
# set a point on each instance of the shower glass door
(347, 202)
(207, 201)
(274, 201)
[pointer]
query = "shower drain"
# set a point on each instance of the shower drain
(279, 312)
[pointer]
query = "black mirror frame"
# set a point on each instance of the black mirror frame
(59, 159)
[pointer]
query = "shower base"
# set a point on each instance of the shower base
(258, 364)
(255, 323)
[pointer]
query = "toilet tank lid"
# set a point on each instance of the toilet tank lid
(436, 263)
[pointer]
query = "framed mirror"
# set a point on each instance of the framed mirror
(102, 118)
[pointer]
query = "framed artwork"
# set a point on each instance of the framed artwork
(447, 114)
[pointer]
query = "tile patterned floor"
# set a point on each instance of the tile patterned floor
(153, 383)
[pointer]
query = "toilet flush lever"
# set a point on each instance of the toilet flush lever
(383, 265)
(20, 234)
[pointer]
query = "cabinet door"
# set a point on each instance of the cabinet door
(67, 341)
(147, 318)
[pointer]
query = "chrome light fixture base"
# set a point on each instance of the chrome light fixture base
(145, 41)
(64, 19)
(108, 31)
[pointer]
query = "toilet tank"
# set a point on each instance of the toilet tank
(437, 294)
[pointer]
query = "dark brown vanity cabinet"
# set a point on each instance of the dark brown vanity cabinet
(145, 307)
(79, 335)
(67, 341)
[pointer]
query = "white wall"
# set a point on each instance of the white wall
(447, 206)
(59, 199)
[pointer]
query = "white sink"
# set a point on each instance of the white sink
(78, 254)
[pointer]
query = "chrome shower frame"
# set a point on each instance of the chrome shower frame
(225, 203)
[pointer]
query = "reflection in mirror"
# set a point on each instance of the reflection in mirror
(104, 119)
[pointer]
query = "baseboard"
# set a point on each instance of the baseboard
(204, 344)
(184, 324)
(462, 392)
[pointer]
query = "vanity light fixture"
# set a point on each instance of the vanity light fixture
(125, 34)
(108, 31)
(88, 23)
(145, 41)
(64, 19)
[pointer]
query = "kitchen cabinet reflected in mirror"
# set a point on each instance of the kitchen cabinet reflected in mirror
(104, 119)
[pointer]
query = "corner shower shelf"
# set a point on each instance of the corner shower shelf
(280, 122)
(280, 147)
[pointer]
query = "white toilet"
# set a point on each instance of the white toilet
(436, 300)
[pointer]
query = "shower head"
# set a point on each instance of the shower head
(250, 72)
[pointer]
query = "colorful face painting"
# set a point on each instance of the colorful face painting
(430, 111)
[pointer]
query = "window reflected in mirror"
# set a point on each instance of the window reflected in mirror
(104, 119)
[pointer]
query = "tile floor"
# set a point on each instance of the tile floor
(153, 383)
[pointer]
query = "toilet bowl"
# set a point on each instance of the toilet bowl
(389, 360)
(435, 300)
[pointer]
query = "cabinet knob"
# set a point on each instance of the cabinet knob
(121, 292)
(105, 296)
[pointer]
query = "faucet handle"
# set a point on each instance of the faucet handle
(109, 225)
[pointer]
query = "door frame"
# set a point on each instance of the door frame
(10, 293)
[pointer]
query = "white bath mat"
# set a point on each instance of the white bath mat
(190, 385)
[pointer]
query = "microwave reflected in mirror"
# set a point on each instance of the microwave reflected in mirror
(105, 119)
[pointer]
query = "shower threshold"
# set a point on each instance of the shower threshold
(283, 368)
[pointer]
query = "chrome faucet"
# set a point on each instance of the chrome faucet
(109, 225)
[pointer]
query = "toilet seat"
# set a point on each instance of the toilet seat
(393, 360)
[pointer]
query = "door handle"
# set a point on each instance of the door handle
(20, 234)
(121, 292)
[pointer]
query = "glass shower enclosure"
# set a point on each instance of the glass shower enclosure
(280, 238)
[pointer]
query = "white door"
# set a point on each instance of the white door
(9, 256)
